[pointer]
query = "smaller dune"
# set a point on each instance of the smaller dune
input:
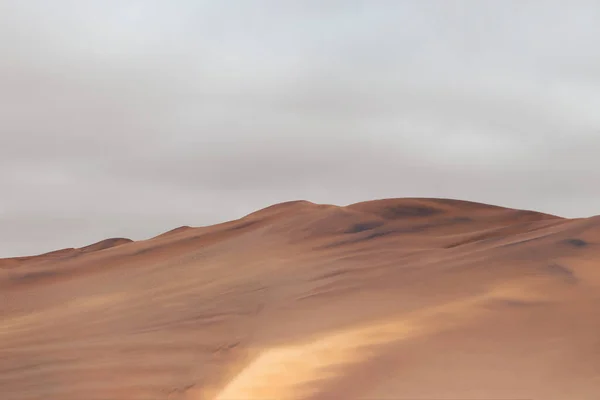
(105, 244)
(175, 231)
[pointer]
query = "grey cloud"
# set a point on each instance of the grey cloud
(131, 117)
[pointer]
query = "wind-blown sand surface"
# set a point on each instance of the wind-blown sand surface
(390, 299)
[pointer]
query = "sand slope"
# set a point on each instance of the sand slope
(388, 299)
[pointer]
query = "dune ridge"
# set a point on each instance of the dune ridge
(389, 299)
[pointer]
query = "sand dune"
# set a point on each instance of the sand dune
(387, 299)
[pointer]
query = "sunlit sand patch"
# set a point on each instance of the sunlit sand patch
(286, 373)
(293, 372)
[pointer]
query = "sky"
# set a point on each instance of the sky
(127, 118)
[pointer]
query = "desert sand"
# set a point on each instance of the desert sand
(388, 299)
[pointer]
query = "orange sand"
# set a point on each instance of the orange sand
(389, 299)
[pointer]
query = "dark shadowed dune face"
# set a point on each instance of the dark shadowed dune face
(364, 226)
(559, 270)
(400, 208)
(386, 299)
(396, 212)
(576, 242)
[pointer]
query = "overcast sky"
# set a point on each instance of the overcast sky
(132, 117)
